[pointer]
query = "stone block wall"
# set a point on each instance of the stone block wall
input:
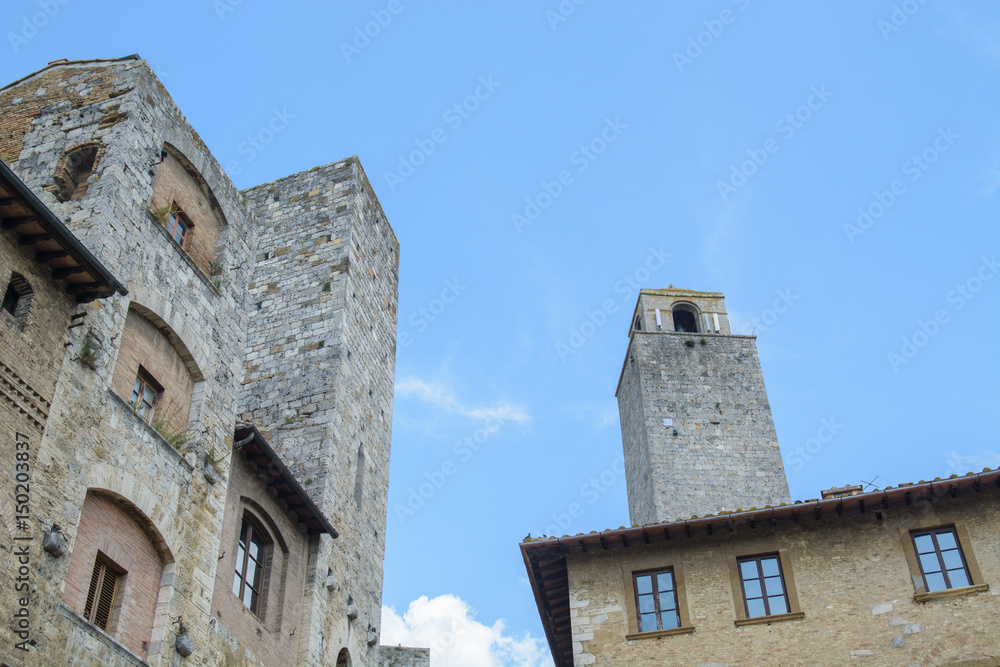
(320, 370)
(93, 440)
(404, 656)
(710, 389)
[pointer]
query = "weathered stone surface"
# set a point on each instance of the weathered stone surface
(696, 423)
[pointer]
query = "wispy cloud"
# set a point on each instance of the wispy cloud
(960, 464)
(441, 396)
(447, 625)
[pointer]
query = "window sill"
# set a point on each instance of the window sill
(686, 630)
(951, 593)
(170, 449)
(793, 616)
(128, 657)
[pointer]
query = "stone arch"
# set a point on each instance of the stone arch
(344, 658)
(114, 481)
(686, 317)
(74, 169)
(156, 371)
(114, 534)
(184, 201)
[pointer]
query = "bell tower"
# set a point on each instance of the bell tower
(696, 423)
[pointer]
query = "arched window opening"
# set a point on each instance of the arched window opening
(638, 323)
(17, 301)
(253, 562)
(115, 569)
(74, 169)
(685, 319)
(343, 658)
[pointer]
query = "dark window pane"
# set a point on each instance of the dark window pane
(755, 608)
(929, 563)
(646, 604)
(647, 622)
(777, 604)
(958, 578)
(935, 582)
(769, 566)
(924, 544)
(665, 581)
(748, 569)
(752, 588)
(644, 584)
(670, 620)
(952, 559)
(773, 586)
(946, 540)
(667, 601)
(254, 548)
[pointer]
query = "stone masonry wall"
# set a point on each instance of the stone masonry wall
(93, 440)
(403, 656)
(851, 582)
(725, 455)
(320, 370)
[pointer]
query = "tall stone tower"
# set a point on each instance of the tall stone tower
(320, 366)
(696, 424)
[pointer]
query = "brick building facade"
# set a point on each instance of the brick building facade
(201, 382)
(720, 568)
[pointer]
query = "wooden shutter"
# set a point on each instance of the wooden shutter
(101, 595)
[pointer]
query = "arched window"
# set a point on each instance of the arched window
(188, 209)
(685, 318)
(115, 569)
(155, 373)
(343, 658)
(638, 323)
(253, 562)
(74, 169)
(17, 301)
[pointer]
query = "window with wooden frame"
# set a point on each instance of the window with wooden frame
(251, 564)
(940, 557)
(763, 585)
(656, 600)
(145, 391)
(105, 583)
(178, 224)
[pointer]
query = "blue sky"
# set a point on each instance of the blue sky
(832, 168)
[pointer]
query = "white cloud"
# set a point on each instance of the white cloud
(960, 464)
(438, 395)
(446, 625)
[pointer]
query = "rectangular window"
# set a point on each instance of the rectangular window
(942, 563)
(102, 593)
(144, 394)
(763, 586)
(178, 224)
(656, 600)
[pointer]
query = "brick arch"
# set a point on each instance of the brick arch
(147, 506)
(113, 533)
(169, 329)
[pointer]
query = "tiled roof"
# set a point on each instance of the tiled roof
(545, 556)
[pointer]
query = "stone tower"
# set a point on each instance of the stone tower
(696, 423)
(320, 367)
